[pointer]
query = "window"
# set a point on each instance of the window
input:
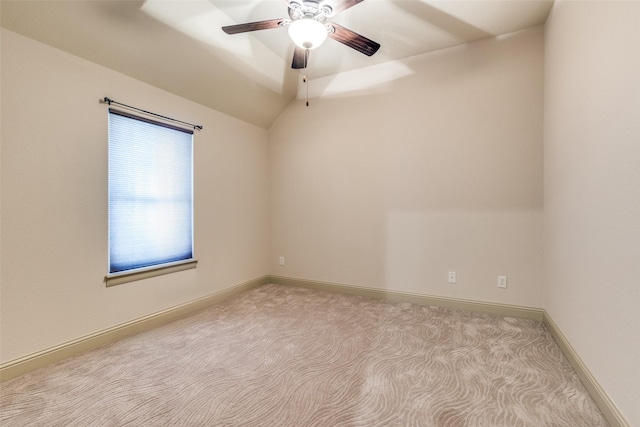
(150, 198)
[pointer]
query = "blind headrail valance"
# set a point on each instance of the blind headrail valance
(109, 101)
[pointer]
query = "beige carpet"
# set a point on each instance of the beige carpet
(281, 356)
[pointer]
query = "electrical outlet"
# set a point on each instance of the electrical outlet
(281, 260)
(502, 282)
(452, 277)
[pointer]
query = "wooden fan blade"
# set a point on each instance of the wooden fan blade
(354, 40)
(300, 58)
(252, 26)
(342, 5)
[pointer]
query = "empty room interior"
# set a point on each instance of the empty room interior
(480, 161)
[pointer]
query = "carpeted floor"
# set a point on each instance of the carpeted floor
(282, 356)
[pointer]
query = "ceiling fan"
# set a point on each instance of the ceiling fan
(308, 28)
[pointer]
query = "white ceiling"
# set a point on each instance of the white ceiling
(178, 45)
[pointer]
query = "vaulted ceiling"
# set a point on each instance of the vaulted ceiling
(178, 45)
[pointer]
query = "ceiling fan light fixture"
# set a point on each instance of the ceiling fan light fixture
(308, 33)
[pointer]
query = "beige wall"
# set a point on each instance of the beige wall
(592, 189)
(402, 172)
(54, 200)
(395, 175)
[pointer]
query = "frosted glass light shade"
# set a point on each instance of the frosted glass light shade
(307, 33)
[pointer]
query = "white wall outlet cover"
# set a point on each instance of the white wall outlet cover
(451, 278)
(502, 281)
(281, 260)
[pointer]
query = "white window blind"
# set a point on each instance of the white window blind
(150, 193)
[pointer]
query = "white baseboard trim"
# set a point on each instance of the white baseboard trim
(399, 296)
(40, 359)
(605, 404)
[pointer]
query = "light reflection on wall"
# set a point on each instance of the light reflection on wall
(360, 82)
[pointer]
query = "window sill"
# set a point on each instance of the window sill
(147, 272)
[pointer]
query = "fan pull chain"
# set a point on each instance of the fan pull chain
(304, 78)
(306, 83)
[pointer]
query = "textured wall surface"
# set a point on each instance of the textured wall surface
(54, 200)
(400, 173)
(592, 189)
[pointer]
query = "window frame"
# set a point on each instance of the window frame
(140, 273)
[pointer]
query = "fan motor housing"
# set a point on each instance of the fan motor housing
(309, 9)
